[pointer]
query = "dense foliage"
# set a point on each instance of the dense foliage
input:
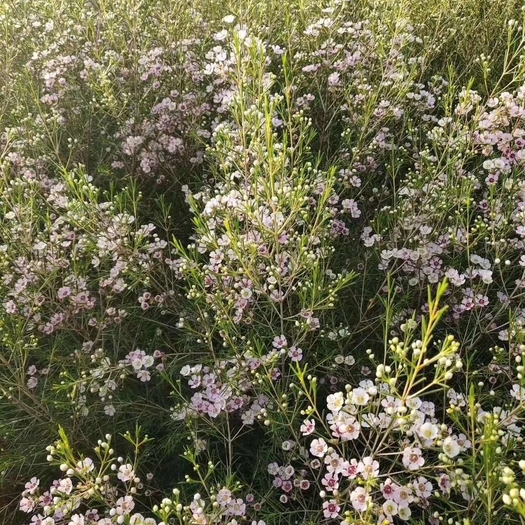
(262, 262)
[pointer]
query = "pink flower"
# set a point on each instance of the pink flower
(307, 427)
(304, 484)
(412, 458)
(143, 375)
(10, 307)
(31, 486)
(27, 505)
(65, 486)
(352, 468)
(345, 427)
(403, 497)
(390, 490)
(237, 507)
(331, 509)
(422, 487)
(331, 481)
(279, 342)
(64, 292)
(287, 486)
(444, 483)
(295, 354)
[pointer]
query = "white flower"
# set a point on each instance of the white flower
(360, 396)
(370, 468)
(85, 465)
(126, 472)
(288, 445)
(359, 499)
(518, 392)
(334, 463)
(349, 360)
(318, 447)
(390, 507)
(404, 497)
(273, 469)
(221, 35)
(422, 487)
(335, 402)
(245, 293)
(451, 447)
(124, 505)
(404, 513)
(428, 431)
(229, 19)
(65, 486)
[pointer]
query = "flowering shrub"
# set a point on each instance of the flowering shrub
(270, 252)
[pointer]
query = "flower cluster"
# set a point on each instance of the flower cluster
(291, 253)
